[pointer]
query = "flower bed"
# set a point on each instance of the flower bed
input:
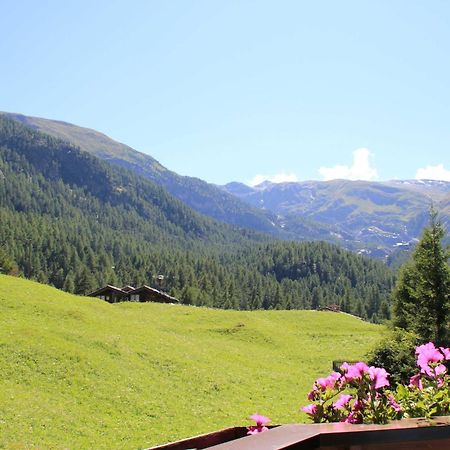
(359, 394)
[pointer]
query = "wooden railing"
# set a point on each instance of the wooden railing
(406, 434)
(205, 440)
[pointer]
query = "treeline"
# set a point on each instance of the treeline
(73, 221)
(421, 305)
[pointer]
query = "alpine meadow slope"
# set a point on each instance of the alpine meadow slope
(80, 373)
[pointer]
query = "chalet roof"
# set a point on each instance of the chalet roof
(154, 291)
(128, 288)
(107, 288)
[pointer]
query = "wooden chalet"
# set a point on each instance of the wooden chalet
(148, 294)
(333, 307)
(113, 294)
(128, 288)
(110, 293)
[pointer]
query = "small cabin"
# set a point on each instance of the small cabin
(333, 307)
(113, 294)
(149, 294)
(109, 293)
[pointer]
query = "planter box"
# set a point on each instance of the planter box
(406, 434)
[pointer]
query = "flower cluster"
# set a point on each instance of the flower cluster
(260, 427)
(430, 358)
(354, 396)
(428, 393)
(358, 394)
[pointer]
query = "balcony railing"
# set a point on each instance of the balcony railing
(406, 434)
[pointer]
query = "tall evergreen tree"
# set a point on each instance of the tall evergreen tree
(85, 282)
(7, 264)
(422, 294)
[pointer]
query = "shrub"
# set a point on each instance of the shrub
(395, 354)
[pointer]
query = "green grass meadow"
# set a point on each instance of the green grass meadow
(79, 373)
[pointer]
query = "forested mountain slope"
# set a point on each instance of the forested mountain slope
(203, 197)
(375, 218)
(72, 220)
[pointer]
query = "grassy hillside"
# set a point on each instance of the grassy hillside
(79, 373)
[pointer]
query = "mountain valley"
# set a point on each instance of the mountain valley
(74, 221)
(379, 219)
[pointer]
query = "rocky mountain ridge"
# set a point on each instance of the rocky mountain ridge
(375, 218)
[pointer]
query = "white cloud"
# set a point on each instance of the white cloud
(433, 173)
(277, 178)
(359, 170)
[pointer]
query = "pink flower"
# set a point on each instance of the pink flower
(440, 369)
(379, 377)
(354, 371)
(342, 401)
(352, 418)
(416, 381)
(329, 382)
(260, 420)
(445, 352)
(310, 409)
(358, 405)
(394, 404)
(256, 430)
(428, 353)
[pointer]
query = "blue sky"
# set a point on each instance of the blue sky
(242, 90)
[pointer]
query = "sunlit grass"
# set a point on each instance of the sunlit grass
(81, 373)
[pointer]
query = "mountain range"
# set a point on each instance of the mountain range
(375, 218)
(378, 219)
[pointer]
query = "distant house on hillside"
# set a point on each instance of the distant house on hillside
(149, 294)
(128, 288)
(113, 294)
(333, 307)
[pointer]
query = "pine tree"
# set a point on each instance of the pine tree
(7, 264)
(69, 282)
(422, 294)
(85, 282)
